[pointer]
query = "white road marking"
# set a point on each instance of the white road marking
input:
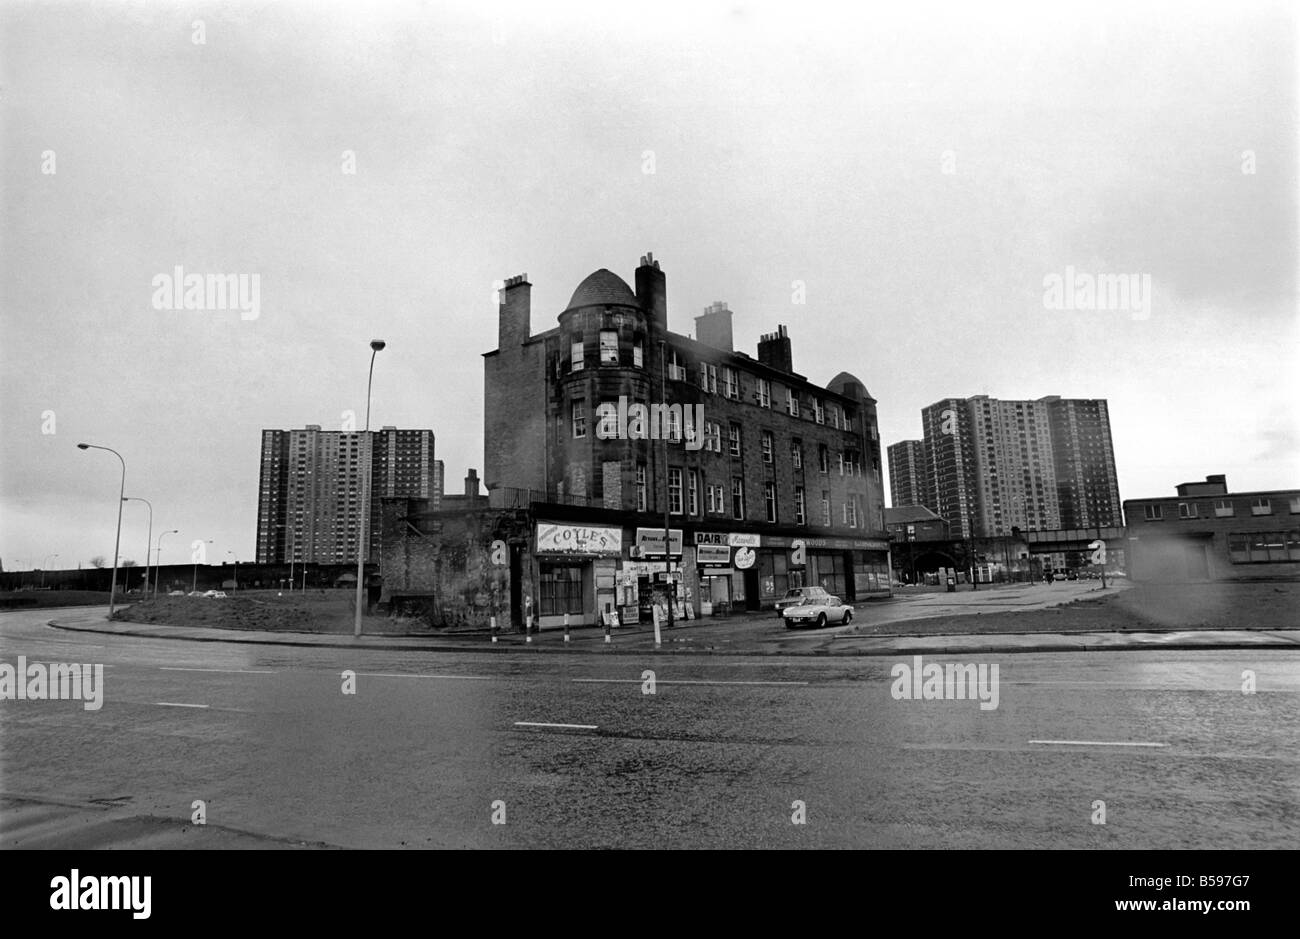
(172, 704)
(564, 726)
(1098, 743)
(462, 677)
(226, 671)
(680, 681)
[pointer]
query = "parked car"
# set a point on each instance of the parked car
(1058, 575)
(817, 611)
(195, 593)
(797, 595)
(176, 593)
(220, 594)
(1071, 575)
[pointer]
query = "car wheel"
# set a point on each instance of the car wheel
(821, 620)
(848, 615)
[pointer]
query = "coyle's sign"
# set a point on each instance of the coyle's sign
(588, 540)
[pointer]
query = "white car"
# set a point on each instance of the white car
(818, 612)
(220, 595)
(797, 595)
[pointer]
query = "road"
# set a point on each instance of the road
(718, 756)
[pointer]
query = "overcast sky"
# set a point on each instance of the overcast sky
(920, 169)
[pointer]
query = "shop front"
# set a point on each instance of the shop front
(849, 568)
(654, 576)
(576, 573)
(727, 572)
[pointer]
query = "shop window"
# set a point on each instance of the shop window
(559, 589)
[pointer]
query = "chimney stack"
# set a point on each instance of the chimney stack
(774, 350)
(651, 292)
(514, 312)
(471, 483)
(713, 328)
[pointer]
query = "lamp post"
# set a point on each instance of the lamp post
(43, 560)
(363, 537)
(194, 584)
(668, 556)
(148, 541)
(232, 554)
(117, 543)
(174, 531)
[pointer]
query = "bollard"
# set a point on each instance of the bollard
(566, 626)
(494, 629)
(607, 629)
(528, 628)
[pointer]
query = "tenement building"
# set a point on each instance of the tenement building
(313, 504)
(1205, 532)
(608, 428)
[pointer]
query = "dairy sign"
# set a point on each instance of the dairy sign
(585, 540)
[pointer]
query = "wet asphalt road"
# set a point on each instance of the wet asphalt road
(716, 757)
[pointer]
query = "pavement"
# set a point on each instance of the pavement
(879, 629)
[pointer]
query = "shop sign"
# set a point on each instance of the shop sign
(739, 540)
(650, 541)
(591, 541)
(745, 558)
(713, 555)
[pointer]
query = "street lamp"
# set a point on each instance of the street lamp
(668, 557)
(363, 538)
(43, 560)
(148, 542)
(158, 566)
(232, 554)
(117, 544)
(194, 584)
